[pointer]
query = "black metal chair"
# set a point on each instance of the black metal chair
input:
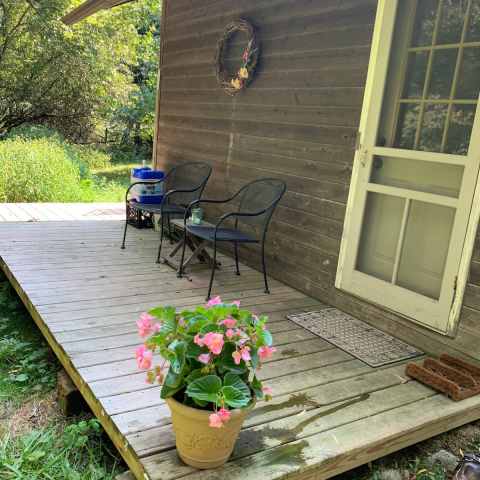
(256, 203)
(183, 184)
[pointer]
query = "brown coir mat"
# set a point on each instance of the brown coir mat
(455, 377)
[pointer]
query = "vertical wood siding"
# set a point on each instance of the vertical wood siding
(297, 121)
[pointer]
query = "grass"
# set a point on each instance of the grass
(108, 184)
(36, 441)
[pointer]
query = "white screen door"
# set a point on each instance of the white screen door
(417, 162)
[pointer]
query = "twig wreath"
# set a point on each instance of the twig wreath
(235, 84)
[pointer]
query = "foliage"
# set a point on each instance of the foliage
(98, 179)
(26, 363)
(72, 78)
(213, 352)
(78, 452)
(135, 116)
(37, 171)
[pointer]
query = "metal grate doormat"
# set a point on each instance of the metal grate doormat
(361, 340)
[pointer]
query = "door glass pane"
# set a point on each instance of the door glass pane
(443, 69)
(428, 177)
(452, 20)
(460, 129)
(416, 70)
(469, 76)
(425, 249)
(425, 22)
(407, 125)
(381, 228)
(433, 124)
(473, 31)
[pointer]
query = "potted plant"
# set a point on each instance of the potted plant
(208, 358)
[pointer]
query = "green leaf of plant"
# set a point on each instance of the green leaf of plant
(232, 380)
(234, 398)
(194, 350)
(209, 328)
(178, 348)
(254, 357)
(168, 317)
(264, 337)
(256, 385)
(205, 388)
(200, 403)
(194, 375)
(168, 391)
(173, 379)
(226, 363)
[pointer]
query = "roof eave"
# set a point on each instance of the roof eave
(89, 8)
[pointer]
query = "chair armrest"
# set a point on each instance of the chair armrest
(206, 200)
(238, 214)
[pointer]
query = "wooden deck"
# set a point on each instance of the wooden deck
(45, 212)
(330, 412)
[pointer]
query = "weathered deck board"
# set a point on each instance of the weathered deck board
(331, 412)
(44, 212)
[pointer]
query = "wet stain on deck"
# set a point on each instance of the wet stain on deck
(261, 439)
(289, 454)
(289, 352)
(295, 400)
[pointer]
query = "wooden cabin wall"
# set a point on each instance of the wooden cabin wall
(297, 121)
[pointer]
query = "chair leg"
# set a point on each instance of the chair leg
(182, 258)
(236, 259)
(267, 290)
(125, 231)
(169, 230)
(214, 265)
(159, 256)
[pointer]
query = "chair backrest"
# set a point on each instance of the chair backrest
(187, 176)
(261, 195)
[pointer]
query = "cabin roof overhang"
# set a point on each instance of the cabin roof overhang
(89, 8)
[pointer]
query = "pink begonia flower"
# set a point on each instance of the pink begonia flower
(229, 322)
(267, 391)
(144, 357)
(214, 342)
(198, 340)
(215, 420)
(214, 301)
(204, 358)
(236, 303)
(230, 333)
(224, 414)
(237, 357)
(144, 324)
(245, 353)
(266, 352)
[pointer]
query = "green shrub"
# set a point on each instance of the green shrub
(34, 132)
(93, 158)
(85, 157)
(37, 170)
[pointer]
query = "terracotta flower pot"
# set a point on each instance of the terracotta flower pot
(200, 445)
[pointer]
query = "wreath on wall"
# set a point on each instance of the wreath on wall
(238, 82)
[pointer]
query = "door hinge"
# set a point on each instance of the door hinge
(357, 140)
(455, 283)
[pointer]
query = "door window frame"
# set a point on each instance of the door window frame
(371, 113)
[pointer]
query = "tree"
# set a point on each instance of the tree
(70, 78)
(135, 117)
